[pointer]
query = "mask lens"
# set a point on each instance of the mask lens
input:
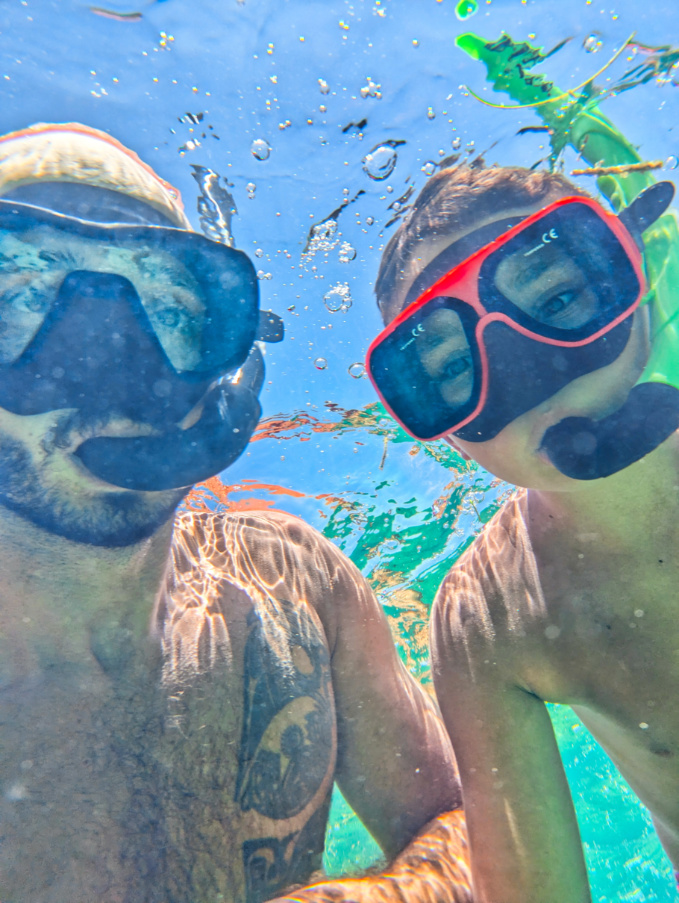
(30, 276)
(200, 297)
(427, 369)
(566, 275)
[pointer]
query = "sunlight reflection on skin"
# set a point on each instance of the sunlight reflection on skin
(211, 553)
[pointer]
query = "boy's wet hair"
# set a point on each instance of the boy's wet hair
(460, 198)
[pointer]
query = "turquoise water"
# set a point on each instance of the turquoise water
(413, 513)
(322, 118)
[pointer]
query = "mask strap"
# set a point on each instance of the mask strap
(645, 209)
(270, 327)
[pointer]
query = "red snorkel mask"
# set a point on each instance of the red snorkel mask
(548, 300)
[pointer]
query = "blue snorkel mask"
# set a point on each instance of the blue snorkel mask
(147, 323)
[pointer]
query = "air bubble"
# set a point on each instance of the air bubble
(259, 253)
(323, 86)
(369, 220)
(320, 363)
(347, 253)
(430, 113)
(357, 370)
(672, 162)
(380, 162)
(260, 149)
(456, 143)
(250, 188)
(189, 146)
(593, 43)
(338, 299)
(466, 8)
(429, 168)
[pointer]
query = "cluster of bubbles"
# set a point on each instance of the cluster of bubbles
(322, 238)
(338, 299)
(250, 189)
(371, 89)
(347, 252)
(260, 149)
(380, 162)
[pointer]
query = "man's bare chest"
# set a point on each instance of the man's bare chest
(132, 789)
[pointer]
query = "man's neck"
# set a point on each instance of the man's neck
(72, 603)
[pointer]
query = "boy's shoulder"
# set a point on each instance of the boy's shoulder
(494, 587)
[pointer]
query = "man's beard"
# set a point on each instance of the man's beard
(96, 517)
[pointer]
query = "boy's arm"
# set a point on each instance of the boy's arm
(433, 868)
(524, 840)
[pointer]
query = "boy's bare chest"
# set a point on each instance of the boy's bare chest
(610, 648)
(126, 790)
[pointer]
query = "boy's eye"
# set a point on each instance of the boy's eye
(456, 367)
(558, 303)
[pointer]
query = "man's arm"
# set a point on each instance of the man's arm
(395, 764)
(524, 839)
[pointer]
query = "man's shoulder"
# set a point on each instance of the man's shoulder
(271, 553)
(253, 525)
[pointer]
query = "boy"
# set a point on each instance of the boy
(525, 359)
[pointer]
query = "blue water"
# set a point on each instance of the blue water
(341, 93)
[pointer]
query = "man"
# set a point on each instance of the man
(517, 334)
(176, 698)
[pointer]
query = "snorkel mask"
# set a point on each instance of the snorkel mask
(487, 338)
(139, 319)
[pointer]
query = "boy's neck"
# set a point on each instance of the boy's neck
(622, 505)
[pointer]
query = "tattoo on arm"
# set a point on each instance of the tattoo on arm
(286, 749)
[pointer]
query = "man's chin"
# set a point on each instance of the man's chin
(83, 510)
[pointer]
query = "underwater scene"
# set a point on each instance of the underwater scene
(301, 132)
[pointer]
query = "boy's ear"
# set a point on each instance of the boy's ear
(450, 439)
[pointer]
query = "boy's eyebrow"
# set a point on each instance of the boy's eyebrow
(527, 269)
(455, 254)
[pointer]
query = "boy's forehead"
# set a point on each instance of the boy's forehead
(429, 247)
